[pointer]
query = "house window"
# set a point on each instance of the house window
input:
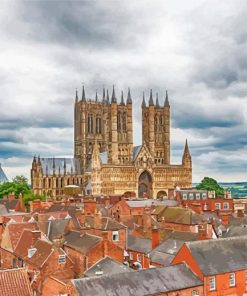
(204, 195)
(197, 195)
(139, 257)
(184, 196)
(115, 236)
(217, 206)
(226, 205)
(212, 285)
(195, 293)
(131, 256)
(232, 280)
(191, 196)
(61, 259)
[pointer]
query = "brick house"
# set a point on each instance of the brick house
(13, 204)
(221, 264)
(86, 249)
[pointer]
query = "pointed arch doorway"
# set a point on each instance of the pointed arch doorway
(145, 185)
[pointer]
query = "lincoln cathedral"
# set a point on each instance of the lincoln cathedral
(105, 160)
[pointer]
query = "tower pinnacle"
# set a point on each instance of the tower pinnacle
(129, 100)
(113, 98)
(166, 100)
(151, 102)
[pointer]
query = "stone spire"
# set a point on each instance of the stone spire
(96, 96)
(122, 99)
(103, 98)
(129, 100)
(151, 102)
(53, 166)
(186, 156)
(83, 97)
(166, 100)
(157, 100)
(107, 97)
(143, 101)
(113, 97)
(76, 96)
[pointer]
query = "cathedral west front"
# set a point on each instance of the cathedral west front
(105, 160)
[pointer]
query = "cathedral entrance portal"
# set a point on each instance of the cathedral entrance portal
(145, 185)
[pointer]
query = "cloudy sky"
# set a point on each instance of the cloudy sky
(195, 49)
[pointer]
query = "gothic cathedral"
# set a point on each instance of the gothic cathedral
(106, 162)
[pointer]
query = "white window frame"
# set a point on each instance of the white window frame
(226, 205)
(198, 196)
(232, 279)
(191, 196)
(212, 283)
(184, 196)
(217, 206)
(204, 195)
(195, 293)
(62, 259)
(115, 236)
(131, 256)
(139, 258)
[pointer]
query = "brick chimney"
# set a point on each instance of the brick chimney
(146, 218)
(36, 235)
(89, 206)
(105, 243)
(155, 237)
(202, 231)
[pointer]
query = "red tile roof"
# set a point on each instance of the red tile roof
(14, 282)
(16, 229)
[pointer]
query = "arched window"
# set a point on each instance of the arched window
(90, 123)
(119, 121)
(124, 122)
(98, 124)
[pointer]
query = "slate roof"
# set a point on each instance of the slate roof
(107, 266)
(143, 282)
(161, 258)
(150, 202)
(81, 242)
(138, 244)
(136, 150)
(3, 177)
(3, 210)
(220, 255)
(9, 204)
(56, 228)
(105, 223)
(235, 231)
(15, 282)
(47, 165)
(181, 216)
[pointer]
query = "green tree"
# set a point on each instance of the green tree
(30, 197)
(18, 185)
(210, 184)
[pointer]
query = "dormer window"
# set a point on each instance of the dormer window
(31, 252)
(115, 236)
(61, 259)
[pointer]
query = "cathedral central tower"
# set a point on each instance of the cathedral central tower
(106, 122)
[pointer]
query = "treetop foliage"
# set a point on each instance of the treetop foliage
(210, 184)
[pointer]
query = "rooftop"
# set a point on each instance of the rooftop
(144, 282)
(220, 255)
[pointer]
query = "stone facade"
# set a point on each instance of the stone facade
(106, 162)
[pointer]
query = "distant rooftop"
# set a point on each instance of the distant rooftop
(3, 177)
